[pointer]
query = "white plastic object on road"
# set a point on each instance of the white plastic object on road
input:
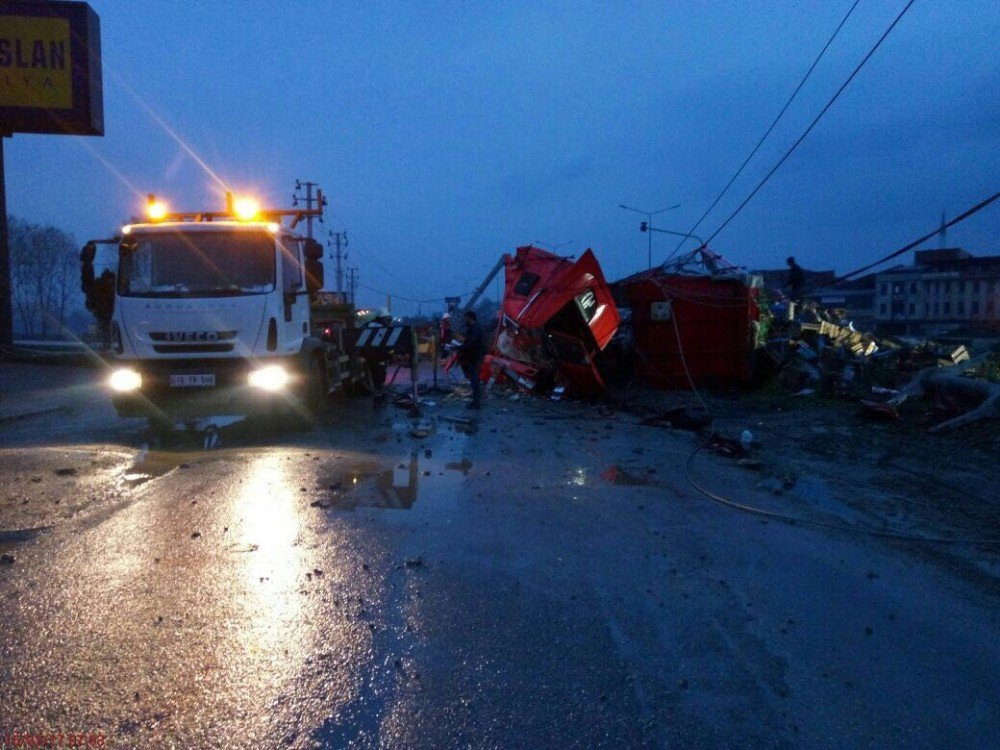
(746, 439)
(212, 438)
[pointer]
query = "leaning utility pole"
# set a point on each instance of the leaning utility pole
(340, 241)
(308, 199)
(486, 282)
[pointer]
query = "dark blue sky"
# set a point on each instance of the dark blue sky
(445, 133)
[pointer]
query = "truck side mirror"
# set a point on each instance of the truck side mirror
(312, 250)
(314, 276)
(88, 253)
(87, 256)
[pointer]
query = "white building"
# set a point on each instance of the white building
(943, 290)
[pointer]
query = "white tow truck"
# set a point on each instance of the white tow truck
(221, 314)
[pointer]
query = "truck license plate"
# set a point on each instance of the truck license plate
(192, 381)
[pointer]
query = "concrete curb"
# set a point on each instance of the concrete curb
(31, 414)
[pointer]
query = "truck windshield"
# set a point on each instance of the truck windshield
(197, 264)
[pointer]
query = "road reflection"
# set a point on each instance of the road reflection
(287, 578)
(267, 522)
(208, 601)
(211, 592)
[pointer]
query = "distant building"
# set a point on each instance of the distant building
(942, 291)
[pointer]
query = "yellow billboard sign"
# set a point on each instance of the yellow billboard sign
(36, 67)
(50, 68)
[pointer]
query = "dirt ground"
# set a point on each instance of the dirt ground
(826, 460)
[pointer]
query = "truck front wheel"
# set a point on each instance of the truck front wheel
(317, 392)
(312, 400)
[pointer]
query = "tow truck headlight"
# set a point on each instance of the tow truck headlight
(270, 378)
(124, 380)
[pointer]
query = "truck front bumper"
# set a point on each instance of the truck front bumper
(184, 389)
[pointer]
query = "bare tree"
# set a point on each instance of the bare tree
(43, 276)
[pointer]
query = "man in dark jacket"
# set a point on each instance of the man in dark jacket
(470, 355)
(99, 293)
(796, 280)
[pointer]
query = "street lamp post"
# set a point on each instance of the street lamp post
(649, 215)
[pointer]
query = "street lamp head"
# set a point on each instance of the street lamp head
(668, 208)
(648, 213)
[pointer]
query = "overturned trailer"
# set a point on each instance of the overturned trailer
(556, 317)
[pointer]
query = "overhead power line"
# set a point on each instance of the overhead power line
(818, 117)
(412, 299)
(896, 253)
(760, 142)
(359, 244)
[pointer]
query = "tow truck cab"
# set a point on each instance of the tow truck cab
(213, 317)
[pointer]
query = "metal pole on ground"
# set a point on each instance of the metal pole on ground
(414, 368)
(6, 311)
(435, 357)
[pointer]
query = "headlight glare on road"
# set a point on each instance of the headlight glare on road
(124, 380)
(270, 378)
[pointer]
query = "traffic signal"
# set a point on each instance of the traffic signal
(644, 226)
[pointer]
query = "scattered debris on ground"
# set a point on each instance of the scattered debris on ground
(820, 353)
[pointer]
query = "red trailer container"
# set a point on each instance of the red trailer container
(707, 322)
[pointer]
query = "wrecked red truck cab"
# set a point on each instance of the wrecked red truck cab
(557, 315)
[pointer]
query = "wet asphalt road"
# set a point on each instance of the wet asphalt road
(358, 585)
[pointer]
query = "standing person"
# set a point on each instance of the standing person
(444, 332)
(99, 293)
(377, 364)
(470, 354)
(796, 279)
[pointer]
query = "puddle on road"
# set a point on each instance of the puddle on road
(465, 426)
(134, 479)
(430, 475)
(817, 493)
(463, 466)
(10, 540)
(627, 478)
(151, 464)
(20, 536)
